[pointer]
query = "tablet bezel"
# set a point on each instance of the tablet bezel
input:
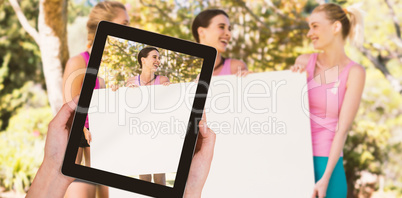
(70, 168)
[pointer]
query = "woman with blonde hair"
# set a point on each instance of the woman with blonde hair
(72, 81)
(335, 86)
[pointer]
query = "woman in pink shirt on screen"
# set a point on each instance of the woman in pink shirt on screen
(149, 61)
(335, 86)
(212, 27)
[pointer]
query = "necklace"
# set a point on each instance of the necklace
(139, 79)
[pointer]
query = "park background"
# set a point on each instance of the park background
(37, 38)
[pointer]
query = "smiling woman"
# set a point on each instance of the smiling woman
(149, 61)
(335, 86)
(212, 27)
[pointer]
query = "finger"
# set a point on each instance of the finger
(314, 194)
(207, 136)
(301, 69)
(322, 195)
(65, 113)
(249, 72)
(89, 137)
(293, 68)
(115, 87)
(86, 134)
(204, 116)
(203, 128)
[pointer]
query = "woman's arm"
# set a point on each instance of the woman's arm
(102, 84)
(300, 63)
(355, 86)
(164, 81)
(237, 66)
(73, 77)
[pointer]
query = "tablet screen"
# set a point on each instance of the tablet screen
(139, 111)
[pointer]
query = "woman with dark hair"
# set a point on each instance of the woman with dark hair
(149, 61)
(212, 27)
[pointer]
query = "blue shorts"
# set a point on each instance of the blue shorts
(337, 186)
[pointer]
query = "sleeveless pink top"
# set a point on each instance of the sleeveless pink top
(85, 55)
(325, 102)
(226, 68)
(137, 80)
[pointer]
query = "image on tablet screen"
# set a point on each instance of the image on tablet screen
(139, 111)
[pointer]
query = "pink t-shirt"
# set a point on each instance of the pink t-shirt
(137, 80)
(85, 55)
(325, 102)
(226, 68)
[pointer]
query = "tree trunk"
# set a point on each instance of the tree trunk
(52, 25)
(52, 41)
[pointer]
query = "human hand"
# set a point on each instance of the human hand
(114, 87)
(57, 135)
(298, 68)
(201, 163)
(131, 84)
(320, 188)
(49, 181)
(88, 136)
(166, 83)
(243, 73)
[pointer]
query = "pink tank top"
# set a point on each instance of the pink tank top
(155, 82)
(226, 68)
(325, 102)
(85, 55)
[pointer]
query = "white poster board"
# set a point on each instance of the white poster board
(139, 130)
(263, 146)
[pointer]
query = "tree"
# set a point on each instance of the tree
(51, 38)
(383, 51)
(264, 33)
(19, 59)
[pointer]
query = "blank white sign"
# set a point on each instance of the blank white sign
(265, 148)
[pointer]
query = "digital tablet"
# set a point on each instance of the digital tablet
(141, 100)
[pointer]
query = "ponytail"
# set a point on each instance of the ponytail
(356, 34)
(351, 19)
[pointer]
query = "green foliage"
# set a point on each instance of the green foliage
(77, 9)
(20, 157)
(19, 58)
(264, 43)
(374, 140)
(23, 141)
